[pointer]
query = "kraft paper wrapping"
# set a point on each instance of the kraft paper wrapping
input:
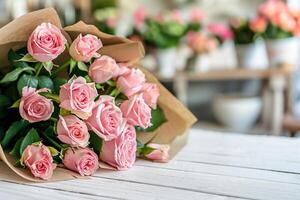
(174, 132)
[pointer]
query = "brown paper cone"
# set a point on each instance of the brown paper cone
(15, 35)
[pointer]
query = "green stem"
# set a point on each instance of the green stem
(38, 68)
(61, 68)
(115, 92)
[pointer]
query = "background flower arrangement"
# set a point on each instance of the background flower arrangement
(68, 114)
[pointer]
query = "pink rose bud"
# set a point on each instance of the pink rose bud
(81, 160)
(78, 97)
(150, 93)
(106, 119)
(120, 152)
(34, 107)
(136, 111)
(131, 83)
(85, 47)
(160, 152)
(71, 130)
(38, 159)
(103, 69)
(46, 42)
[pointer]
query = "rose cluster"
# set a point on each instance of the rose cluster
(93, 115)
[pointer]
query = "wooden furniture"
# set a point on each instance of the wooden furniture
(273, 91)
(212, 166)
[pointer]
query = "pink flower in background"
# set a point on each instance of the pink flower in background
(196, 15)
(220, 30)
(81, 160)
(285, 21)
(271, 8)
(258, 24)
(106, 119)
(131, 82)
(46, 42)
(160, 152)
(103, 69)
(176, 16)
(78, 97)
(159, 18)
(235, 22)
(150, 93)
(120, 152)
(136, 111)
(71, 130)
(85, 47)
(200, 43)
(38, 159)
(34, 107)
(112, 22)
(296, 31)
(139, 17)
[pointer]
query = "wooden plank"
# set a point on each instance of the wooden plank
(18, 191)
(187, 166)
(124, 189)
(232, 74)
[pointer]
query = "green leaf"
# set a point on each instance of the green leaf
(139, 146)
(158, 118)
(82, 66)
(51, 96)
(72, 65)
(31, 137)
(49, 136)
(27, 80)
(146, 150)
(53, 151)
(13, 57)
(4, 101)
(95, 142)
(57, 83)
(27, 58)
(48, 66)
(64, 112)
(16, 150)
(14, 75)
(13, 131)
(16, 104)
(45, 82)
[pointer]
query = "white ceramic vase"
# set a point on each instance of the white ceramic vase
(166, 59)
(283, 51)
(252, 56)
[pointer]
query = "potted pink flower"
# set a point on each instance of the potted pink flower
(249, 46)
(281, 32)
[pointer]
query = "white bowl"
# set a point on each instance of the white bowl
(237, 112)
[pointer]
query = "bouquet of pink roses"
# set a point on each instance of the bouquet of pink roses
(66, 102)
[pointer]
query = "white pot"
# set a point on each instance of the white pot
(166, 59)
(202, 63)
(283, 51)
(252, 56)
(237, 112)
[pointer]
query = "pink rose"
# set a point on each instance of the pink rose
(34, 107)
(176, 16)
(38, 159)
(73, 131)
(78, 97)
(258, 24)
(197, 15)
(106, 119)
(81, 160)
(136, 111)
(150, 93)
(46, 42)
(103, 69)
(220, 30)
(85, 47)
(120, 152)
(131, 82)
(160, 152)
(139, 17)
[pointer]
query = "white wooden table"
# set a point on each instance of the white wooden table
(214, 166)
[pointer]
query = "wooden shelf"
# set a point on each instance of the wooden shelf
(232, 74)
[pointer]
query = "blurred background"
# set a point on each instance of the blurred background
(234, 63)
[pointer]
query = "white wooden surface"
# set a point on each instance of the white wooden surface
(213, 166)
